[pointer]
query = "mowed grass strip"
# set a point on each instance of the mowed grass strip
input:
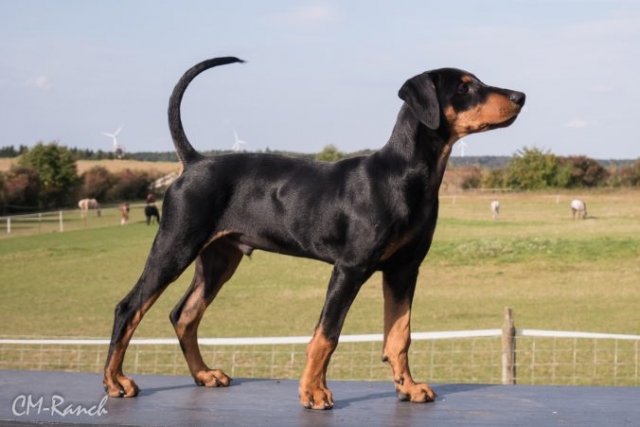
(555, 272)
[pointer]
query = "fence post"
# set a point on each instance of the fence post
(508, 348)
(61, 223)
(8, 225)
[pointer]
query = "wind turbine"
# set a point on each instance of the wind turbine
(238, 142)
(117, 149)
(463, 145)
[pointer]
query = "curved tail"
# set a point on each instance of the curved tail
(184, 149)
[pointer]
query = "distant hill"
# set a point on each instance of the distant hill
(490, 162)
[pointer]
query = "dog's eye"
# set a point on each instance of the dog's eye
(463, 89)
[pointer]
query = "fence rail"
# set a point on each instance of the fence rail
(542, 357)
(66, 220)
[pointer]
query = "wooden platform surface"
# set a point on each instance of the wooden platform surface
(35, 398)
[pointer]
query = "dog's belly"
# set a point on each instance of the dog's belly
(247, 244)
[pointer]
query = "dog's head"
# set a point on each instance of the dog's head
(461, 100)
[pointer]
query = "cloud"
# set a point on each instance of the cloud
(305, 16)
(41, 82)
(577, 124)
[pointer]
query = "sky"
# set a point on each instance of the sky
(317, 72)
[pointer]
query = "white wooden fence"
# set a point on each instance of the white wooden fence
(473, 356)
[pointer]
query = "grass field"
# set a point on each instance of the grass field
(555, 272)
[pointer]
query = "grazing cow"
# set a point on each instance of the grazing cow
(495, 209)
(86, 204)
(579, 207)
(124, 211)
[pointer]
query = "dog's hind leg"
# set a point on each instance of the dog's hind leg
(214, 266)
(163, 266)
(398, 290)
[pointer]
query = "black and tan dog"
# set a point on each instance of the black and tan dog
(364, 214)
(151, 212)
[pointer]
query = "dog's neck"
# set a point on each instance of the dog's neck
(420, 147)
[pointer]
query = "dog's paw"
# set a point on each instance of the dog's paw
(415, 393)
(316, 398)
(121, 386)
(212, 378)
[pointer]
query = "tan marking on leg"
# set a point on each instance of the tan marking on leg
(397, 335)
(397, 339)
(116, 383)
(395, 245)
(195, 306)
(313, 390)
(187, 332)
(218, 235)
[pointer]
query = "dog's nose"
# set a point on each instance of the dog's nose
(517, 98)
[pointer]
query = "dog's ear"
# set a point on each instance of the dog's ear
(420, 95)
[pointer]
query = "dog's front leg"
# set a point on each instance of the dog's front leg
(314, 393)
(343, 288)
(398, 290)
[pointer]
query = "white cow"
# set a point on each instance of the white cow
(579, 207)
(86, 204)
(495, 209)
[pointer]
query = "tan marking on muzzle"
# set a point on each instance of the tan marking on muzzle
(497, 109)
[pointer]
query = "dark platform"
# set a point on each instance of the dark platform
(176, 401)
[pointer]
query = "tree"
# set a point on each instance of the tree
(20, 190)
(583, 172)
(532, 169)
(329, 153)
(630, 175)
(494, 178)
(131, 185)
(96, 183)
(58, 173)
(10, 151)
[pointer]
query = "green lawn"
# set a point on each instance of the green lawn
(555, 272)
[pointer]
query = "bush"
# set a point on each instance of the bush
(583, 172)
(630, 175)
(130, 185)
(20, 190)
(330, 153)
(533, 169)
(96, 183)
(494, 178)
(471, 178)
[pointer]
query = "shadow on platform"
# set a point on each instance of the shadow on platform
(36, 398)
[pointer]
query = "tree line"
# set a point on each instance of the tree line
(537, 169)
(46, 177)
